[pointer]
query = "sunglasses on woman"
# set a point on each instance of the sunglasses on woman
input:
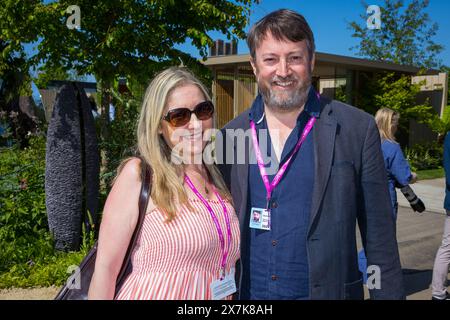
(181, 116)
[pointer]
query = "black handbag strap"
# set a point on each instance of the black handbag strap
(146, 178)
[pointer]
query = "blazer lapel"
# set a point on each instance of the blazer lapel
(324, 134)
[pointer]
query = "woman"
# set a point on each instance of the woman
(397, 166)
(189, 242)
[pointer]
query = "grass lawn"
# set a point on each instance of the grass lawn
(431, 174)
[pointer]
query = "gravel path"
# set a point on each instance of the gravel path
(29, 294)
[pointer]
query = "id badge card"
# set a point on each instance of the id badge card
(260, 219)
(223, 288)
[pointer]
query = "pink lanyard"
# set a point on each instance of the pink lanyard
(216, 222)
(276, 180)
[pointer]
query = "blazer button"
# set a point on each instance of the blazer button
(274, 277)
(274, 205)
(274, 242)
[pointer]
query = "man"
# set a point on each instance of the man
(442, 260)
(329, 172)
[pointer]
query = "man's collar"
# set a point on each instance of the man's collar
(312, 107)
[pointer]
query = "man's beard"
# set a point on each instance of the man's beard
(296, 99)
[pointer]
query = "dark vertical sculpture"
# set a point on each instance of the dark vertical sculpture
(72, 167)
(91, 160)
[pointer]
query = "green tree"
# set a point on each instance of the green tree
(16, 82)
(397, 92)
(119, 38)
(405, 37)
(14, 68)
(440, 125)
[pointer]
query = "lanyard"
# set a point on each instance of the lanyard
(216, 222)
(276, 180)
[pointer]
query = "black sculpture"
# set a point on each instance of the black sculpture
(72, 167)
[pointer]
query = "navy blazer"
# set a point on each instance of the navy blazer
(349, 186)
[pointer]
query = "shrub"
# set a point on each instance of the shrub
(49, 270)
(23, 220)
(27, 255)
(425, 156)
(122, 140)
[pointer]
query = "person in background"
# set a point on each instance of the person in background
(397, 167)
(442, 260)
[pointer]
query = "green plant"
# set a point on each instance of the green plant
(440, 125)
(425, 156)
(23, 218)
(27, 255)
(122, 140)
(341, 94)
(50, 270)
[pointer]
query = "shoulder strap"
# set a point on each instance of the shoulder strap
(146, 178)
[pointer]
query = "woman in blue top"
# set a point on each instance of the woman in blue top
(397, 166)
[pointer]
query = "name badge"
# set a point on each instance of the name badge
(223, 288)
(260, 219)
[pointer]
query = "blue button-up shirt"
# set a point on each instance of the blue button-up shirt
(276, 263)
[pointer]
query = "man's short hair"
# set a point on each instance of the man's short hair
(282, 24)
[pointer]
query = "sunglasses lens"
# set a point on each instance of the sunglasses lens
(204, 110)
(179, 117)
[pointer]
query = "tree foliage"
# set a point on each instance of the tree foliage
(118, 38)
(440, 125)
(397, 92)
(405, 37)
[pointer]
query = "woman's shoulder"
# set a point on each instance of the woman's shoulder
(131, 167)
(391, 150)
(390, 145)
(130, 174)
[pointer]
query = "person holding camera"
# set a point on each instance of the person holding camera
(397, 167)
(398, 171)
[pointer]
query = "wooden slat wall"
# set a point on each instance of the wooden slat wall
(224, 102)
(235, 90)
(245, 92)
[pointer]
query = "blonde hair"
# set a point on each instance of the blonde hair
(167, 188)
(387, 120)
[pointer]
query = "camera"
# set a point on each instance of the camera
(414, 201)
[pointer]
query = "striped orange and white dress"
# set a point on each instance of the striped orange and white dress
(180, 259)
